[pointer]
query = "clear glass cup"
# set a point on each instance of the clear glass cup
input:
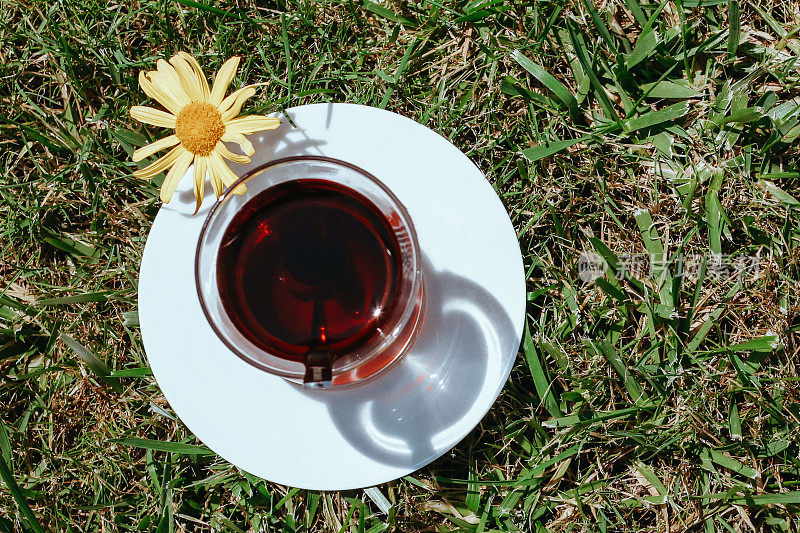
(398, 330)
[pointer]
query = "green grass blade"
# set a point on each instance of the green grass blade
(5, 444)
(167, 522)
(614, 263)
(208, 8)
(401, 69)
(130, 140)
(130, 319)
(16, 493)
(671, 89)
(731, 464)
(702, 3)
(651, 476)
(714, 216)
(377, 497)
(287, 55)
(540, 381)
(734, 31)
(612, 290)
(582, 52)
(636, 11)
(712, 319)
(472, 499)
(52, 144)
(71, 246)
(655, 118)
(767, 343)
(536, 153)
(652, 241)
(741, 116)
(658, 261)
(734, 422)
(556, 87)
(771, 22)
(602, 29)
(758, 500)
(646, 44)
(95, 364)
(619, 366)
(161, 446)
(779, 194)
(131, 373)
(74, 299)
(386, 13)
(591, 418)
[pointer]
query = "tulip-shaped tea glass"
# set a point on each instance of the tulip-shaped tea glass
(312, 274)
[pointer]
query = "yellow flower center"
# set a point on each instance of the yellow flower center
(199, 127)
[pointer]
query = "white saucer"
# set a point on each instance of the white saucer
(404, 419)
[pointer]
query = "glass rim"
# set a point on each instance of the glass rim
(409, 306)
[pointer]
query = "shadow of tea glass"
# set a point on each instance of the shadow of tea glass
(314, 274)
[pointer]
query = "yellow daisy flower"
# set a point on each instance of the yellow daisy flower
(203, 119)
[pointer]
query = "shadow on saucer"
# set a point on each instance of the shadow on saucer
(412, 413)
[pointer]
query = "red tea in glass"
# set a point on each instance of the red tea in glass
(309, 265)
(317, 270)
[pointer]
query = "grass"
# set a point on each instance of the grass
(660, 398)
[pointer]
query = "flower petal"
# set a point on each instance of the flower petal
(170, 82)
(252, 124)
(167, 87)
(223, 79)
(225, 174)
(216, 181)
(216, 176)
(227, 154)
(232, 105)
(243, 142)
(156, 93)
(175, 174)
(189, 81)
(150, 149)
(200, 167)
(205, 92)
(151, 115)
(154, 169)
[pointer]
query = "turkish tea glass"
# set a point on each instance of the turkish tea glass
(318, 367)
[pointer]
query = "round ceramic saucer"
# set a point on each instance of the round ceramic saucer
(406, 417)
